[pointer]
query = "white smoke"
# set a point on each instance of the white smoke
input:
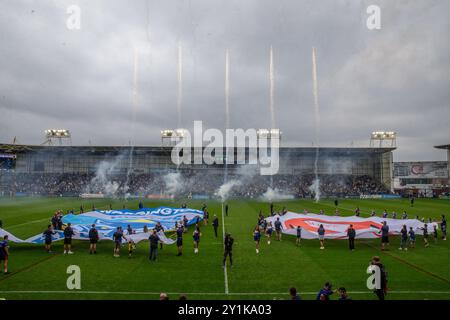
(102, 181)
(174, 183)
(225, 189)
(315, 187)
(275, 195)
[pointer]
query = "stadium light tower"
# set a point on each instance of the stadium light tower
(269, 134)
(171, 137)
(384, 138)
(57, 134)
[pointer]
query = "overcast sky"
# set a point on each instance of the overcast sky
(396, 78)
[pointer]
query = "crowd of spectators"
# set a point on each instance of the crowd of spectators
(186, 184)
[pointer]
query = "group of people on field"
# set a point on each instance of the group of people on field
(407, 237)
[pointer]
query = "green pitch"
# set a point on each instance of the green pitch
(420, 273)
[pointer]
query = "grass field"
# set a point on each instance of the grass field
(420, 273)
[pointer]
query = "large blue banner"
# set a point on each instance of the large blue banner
(107, 221)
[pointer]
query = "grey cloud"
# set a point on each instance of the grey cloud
(395, 78)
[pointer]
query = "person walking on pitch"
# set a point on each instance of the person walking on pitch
(215, 224)
(299, 236)
(257, 238)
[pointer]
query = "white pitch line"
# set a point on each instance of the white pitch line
(202, 293)
(27, 223)
(225, 274)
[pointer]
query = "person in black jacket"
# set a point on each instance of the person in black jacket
(215, 224)
(154, 239)
(93, 239)
(351, 234)
(228, 247)
(382, 290)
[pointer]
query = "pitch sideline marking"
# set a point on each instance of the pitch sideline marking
(200, 293)
(225, 274)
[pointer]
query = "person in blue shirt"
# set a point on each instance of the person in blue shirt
(4, 253)
(180, 231)
(257, 238)
(321, 233)
(425, 235)
(412, 237)
(278, 228)
(444, 227)
(48, 238)
(269, 232)
(435, 233)
(129, 230)
(117, 237)
(325, 292)
(196, 236)
(403, 238)
(299, 236)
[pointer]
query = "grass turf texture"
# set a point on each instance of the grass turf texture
(420, 273)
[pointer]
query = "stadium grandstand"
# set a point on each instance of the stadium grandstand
(142, 171)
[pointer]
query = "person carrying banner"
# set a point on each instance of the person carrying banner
(321, 233)
(269, 232)
(68, 234)
(403, 238)
(93, 239)
(435, 233)
(180, 231)
(444, 227)
(131, 247)
(48, 238)
(278, 228)
(117, 237)
(154, 239)
(228, 248)
(4, 253)
(129, 230)
(351, 234)
(384, 235)
(159, 228)
(205, 217)
(412, 237)
(425, 235)
(215, 224)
